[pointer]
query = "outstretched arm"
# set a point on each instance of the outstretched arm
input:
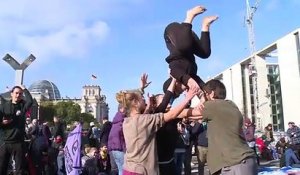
(28, 99)
(192, 13)
(167, 97)
(173, 113)
(202, 47)
(193, 113)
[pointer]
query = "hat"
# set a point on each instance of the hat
(92, 124)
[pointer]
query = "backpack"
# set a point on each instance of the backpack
(95, 133)
(41, 140)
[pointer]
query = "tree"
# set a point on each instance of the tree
(68, 111)
(86, 118)
(46, 111)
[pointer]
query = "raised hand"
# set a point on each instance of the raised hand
(6, 121)
(192, 13)
(193, 84)
(196, 10)
(144, 81)
(207, 21)
(192, 92)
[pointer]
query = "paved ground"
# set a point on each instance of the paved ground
(274, 164)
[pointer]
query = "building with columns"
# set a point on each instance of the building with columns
(277, 76)
(91, 100)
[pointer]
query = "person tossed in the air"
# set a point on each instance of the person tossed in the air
(183, 44)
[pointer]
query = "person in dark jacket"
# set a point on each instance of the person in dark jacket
(93, 141)
(116, 142)
(59, 129)
(12, 128)
(58, 139)
(104, 133)
(200, 129)
(166, 136)
(249, 131)
(183, 44)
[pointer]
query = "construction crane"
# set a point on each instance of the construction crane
(249, 21)
(252, 66)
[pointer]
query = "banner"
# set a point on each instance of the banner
(72, 152)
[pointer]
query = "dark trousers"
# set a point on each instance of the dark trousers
(167, 169)
(15, 150)
(188, 159)
(114, 167)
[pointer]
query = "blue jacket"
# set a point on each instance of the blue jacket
(116, 141)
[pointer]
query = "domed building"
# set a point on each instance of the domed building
(91, 101)
(45, 88)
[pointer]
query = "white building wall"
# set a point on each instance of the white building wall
(263, 113)
(247, 95)
(289, 76)
(232, 79)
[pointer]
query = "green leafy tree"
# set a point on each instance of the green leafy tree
(46, 111)
(86, 118)
(68, 111)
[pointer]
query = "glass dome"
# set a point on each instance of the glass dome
(45, 87)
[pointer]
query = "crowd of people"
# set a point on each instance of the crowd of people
(150, 136)
(285, 148)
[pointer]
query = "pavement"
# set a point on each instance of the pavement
(273, 164)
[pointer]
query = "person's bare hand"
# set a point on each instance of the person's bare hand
(196, 11)
(200, 120)
(193, 84)
(150, 100)
(23, 86)
(192, 92)
(200, 107)
(6, 121)
(144, 81)
(208, 20)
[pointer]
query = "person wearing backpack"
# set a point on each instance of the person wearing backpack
(249, 130)
(39, 146)
(92, 135)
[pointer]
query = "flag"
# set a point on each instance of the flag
(94, 77)
(72, 151)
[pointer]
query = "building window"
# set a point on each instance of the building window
(275, 97)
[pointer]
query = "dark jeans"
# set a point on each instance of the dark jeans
(290, 157)
(7, 150)
(188, 159)
(179, 158)
(114, 167)
(167, 168)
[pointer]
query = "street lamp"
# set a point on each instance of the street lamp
(19, 68)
